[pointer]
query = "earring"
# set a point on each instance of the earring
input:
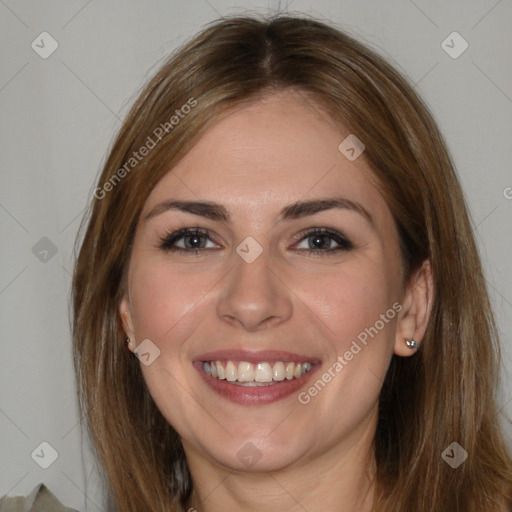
(411, 344)
(129, 344)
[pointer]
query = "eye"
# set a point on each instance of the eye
(319, 241)
(192, 240)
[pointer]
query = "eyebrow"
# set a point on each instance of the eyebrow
(297, 210)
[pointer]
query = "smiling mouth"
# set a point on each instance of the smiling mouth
(244, 373)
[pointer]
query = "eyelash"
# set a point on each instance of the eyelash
(167, 242)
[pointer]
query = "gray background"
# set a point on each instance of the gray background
(59, 116)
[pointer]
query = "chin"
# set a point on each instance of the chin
(254, 454)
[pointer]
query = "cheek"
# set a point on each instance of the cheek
(359, 309)
(353, 301)
(166, 303)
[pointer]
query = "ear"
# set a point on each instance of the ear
(416, 309)
(126, 318)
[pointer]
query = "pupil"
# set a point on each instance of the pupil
(194, 241)
(318, 241)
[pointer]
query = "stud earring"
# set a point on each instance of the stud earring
(129, 344)
(411, 344)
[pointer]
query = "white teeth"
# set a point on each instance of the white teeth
(245, 372)
(263, 372)
(278, 371)
(254, 384)
(230, 372)
(220, 370)
(255, 374)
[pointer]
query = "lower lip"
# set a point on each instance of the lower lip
(255, 395)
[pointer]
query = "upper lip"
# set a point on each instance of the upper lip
(255, 356)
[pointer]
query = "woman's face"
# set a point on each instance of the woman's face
(267, 291)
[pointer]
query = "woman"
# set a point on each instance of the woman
(279, 237)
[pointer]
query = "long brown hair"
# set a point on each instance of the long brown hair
(445, 393)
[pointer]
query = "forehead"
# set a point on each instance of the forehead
(274, 151)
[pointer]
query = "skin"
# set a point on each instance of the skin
(258, 159)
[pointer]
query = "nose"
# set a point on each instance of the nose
(254, 296)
